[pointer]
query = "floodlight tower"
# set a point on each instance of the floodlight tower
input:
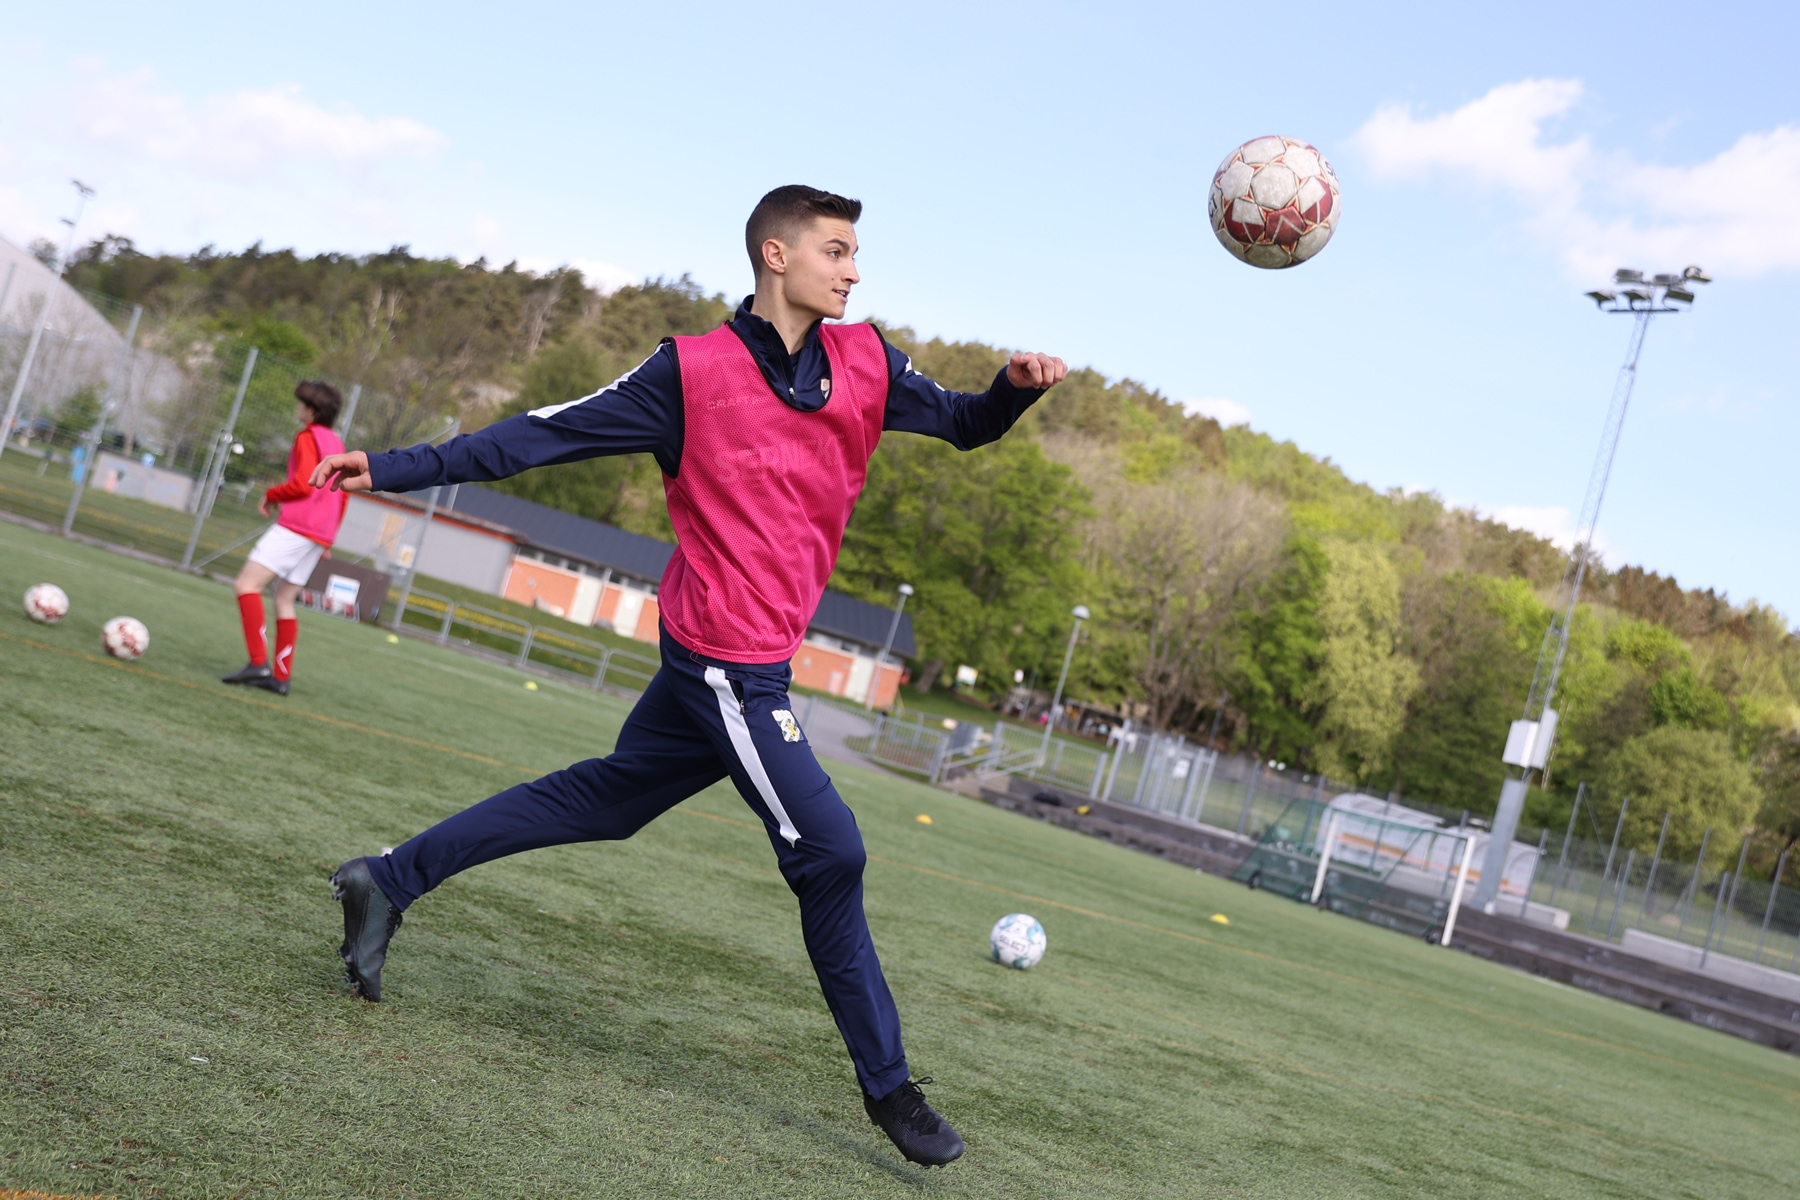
(1528, 742)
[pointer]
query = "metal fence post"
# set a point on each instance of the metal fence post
(1730, 901)
(1644, 908)
(600, 667)
(1099, 772)
(350, 411)
(1600, 895)
(92, 441)
(1112, 771)
(1769, 911)
(1562, 859)
(1249, 795)
(1325, 840)
(1693, 884)
(937, 758)
(203, 507)
(1718, 903)
(1212, 762)
(1543, 841)
(525, 643)
(449, 618)
(1143, 779)
(418, 553)
(1619, 895)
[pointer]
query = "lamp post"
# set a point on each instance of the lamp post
(1080, 613)
(1528, 742)
(906, 589)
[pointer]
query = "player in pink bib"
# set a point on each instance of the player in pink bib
(287, 554)
(764, 429)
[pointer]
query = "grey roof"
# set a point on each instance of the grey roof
(634, 554)
(564, 533)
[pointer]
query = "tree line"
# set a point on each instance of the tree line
(1237, 582)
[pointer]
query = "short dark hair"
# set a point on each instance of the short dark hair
(783, 211)
(324, 400)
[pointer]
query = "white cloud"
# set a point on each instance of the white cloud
(1225, 412)
(239, 136)
(1600, 208)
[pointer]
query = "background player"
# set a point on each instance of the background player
(763, 429)
(288, 552)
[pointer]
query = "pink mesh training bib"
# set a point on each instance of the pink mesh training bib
(764, 492)
(317, 516)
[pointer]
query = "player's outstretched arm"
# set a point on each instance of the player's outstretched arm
(343, 472)
(966, 420)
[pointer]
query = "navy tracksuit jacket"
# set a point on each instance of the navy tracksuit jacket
(701, 720)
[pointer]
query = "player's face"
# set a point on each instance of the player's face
(821, 267)
(303, 412)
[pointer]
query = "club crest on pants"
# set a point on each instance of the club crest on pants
(790, 728)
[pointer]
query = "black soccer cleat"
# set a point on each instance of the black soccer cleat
(915, 1127)
(251, 673)
(369, 922)
(269, 683)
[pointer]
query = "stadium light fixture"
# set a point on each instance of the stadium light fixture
(1529, 742)
(905, 590)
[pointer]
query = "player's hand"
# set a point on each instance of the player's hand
(262, 506)
(1035, 371)
(343, 472)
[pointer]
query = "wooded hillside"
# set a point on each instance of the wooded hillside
(1379, 637)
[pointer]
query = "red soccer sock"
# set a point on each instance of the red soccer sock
(287, 629)
(256, 636)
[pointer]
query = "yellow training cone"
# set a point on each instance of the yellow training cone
(393, 639)
(1219, 919)
(531, 685)
(923, 819)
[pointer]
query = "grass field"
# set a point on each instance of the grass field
(639, 1019)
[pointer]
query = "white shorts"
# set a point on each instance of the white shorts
(289, 555)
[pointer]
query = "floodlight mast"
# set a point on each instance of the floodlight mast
(1529, 742)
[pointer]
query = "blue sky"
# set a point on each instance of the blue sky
(1035, 175)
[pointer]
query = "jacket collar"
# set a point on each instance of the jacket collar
(801, 380)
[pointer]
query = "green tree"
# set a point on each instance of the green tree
(1778, 771)
(1693, 775)
(1364, 681)
(1683, 698)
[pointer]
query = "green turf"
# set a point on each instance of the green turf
(640, 1019)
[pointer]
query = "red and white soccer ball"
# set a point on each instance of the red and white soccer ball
(125, 637)
(46, 603)
(1274, 202)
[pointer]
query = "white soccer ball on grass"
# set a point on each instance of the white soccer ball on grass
(125, 637)
(1018, 941)
(46, 603)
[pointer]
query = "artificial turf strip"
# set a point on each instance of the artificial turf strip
(640, 1018)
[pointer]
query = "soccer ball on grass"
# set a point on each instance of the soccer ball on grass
(125, 637)
(46, 603)
(1017, 941)
(1274, 202)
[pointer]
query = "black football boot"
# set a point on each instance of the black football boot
(251, 673)
(369, 922)
(915, 1127)
(269, 683)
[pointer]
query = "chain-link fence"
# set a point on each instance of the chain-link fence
(146, 431)
(1685, 908)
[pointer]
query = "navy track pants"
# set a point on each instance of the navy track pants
(698, 722)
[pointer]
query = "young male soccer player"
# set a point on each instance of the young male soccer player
(763, 429)
(288, 553)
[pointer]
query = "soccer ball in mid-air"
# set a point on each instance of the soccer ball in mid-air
(1274, 202)
(1017, 941)
(46, 603)
(125, 637)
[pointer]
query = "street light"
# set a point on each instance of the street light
(906, 589)
(1080, 613)
(1530, 738)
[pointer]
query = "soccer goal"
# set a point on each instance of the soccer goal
(1402, 875)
